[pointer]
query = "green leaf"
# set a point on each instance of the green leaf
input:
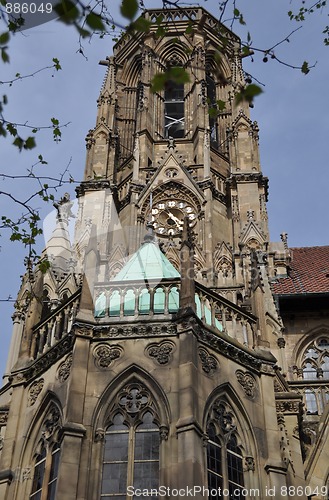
(55, 122)
(19, 143)
(67, 11)
(57, 65)
(94, 21)
(12, 129)
(4, 55)
(4, 38)
(221, 105)
(175, 74)
(29, 143)
(44, 265)
(305, 69)
(142, 25)
(248, 93)
(129, 9)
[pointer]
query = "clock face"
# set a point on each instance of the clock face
(168, 216)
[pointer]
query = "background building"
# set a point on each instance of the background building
(174, 343)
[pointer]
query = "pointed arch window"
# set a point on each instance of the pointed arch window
(45, 473)
(131, 446)
(47, 458)
(224, 455)
(212, 104)
(174, 109)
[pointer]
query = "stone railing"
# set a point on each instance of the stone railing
(228, 318)
(315, 394)
(117, 301)
(57, 325)
(129, 298)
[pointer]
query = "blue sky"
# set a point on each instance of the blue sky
(292, 114)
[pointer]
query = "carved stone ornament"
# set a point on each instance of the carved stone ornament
(34, 391)
(3, 417)
(64, 369)
(99, 435)
(133, 398)
(161, 352)
(250, 463)
(209, 362)
(248, 383)
(288, 407)
(124, 331)
(164, 431)
(51, 424)
(104, 354)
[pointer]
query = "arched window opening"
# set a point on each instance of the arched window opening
(39, 473)
(129, 303)
(46, 305)
(132, 444)
(311, 403)
(174, 109)
(315, 360)
(224, 455)
(46, 473)
(159, 301)
(144, 301)
(213, 112)
(115, 301)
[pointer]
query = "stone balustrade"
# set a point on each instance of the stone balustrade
(57, 324)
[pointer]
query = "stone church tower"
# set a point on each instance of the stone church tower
(169, 347)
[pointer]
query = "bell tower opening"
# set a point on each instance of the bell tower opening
(174, 110)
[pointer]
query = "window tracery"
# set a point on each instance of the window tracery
(131, 444)
(315, 362)
(224, 452)
(314, 368)
(47, 459)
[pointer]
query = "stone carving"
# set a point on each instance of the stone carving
(248, 383)
(26, 473)
(99, 435)
(64, 369)
(224, 416)
(164, 431)
(34, 391)
(124, 331)
(209, 362)
(1, 442)
(288, 406)
(161, 352)
(3, 417)
(50, 357)
(51, 423)
(133, 398)
(281, 342)
(250, 463)
(104, 354)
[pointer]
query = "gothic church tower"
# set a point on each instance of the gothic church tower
(155, 356)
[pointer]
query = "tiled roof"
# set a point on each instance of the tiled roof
(309, 272)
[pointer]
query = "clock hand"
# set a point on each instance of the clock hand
(175, 219)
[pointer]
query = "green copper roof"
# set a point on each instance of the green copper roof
(146, 264)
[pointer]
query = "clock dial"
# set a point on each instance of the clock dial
(168, 216)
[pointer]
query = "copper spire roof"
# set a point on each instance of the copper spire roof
(309, 272)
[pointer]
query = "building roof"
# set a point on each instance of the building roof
(146, 264)
(309, 272)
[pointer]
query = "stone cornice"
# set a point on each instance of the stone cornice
(93, 185)
(248, 177)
